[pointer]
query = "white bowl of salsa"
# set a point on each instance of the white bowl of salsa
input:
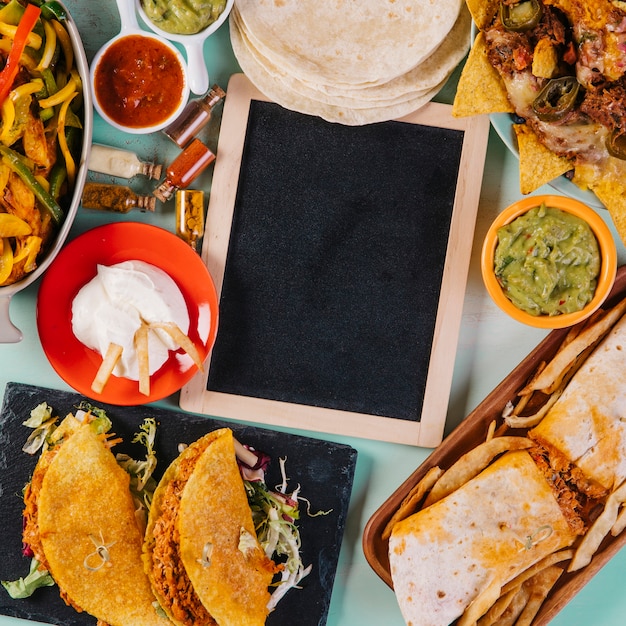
(549, 261)
(139, 80)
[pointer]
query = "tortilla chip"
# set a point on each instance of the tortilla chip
(480, 89)
(538, 164)
(483, 11)
(85, 503)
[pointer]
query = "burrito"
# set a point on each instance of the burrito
(584, 433)
(201, 553)
(80, 523)
(504, 520)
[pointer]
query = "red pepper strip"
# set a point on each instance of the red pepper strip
(27, 23)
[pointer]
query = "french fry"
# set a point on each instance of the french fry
(181, 340)
(548, 561)
(412, 499)
(481, 604)
(515, 608)
(493, 615)
(143, 359)
(112, 356)
(620, 523)
(599, 529)
(565, 357)
(472, 463)
(539, 585)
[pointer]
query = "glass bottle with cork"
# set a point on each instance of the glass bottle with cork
(121, 163)
(115, 198)
(190, 215)
(184, 169)
(194, 117)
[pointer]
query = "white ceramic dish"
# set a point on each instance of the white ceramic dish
(193, 45)
(130, 26)
(9, 333)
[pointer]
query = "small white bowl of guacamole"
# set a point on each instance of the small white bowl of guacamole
(549, 261)
(189, 23)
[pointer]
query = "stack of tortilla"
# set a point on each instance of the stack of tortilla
(350, 61)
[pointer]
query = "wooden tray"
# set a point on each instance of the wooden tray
(468, 435)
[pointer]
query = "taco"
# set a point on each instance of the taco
(201, 553)
(80, 523)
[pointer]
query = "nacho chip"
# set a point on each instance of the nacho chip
(480, 89)
(483, 11)
(537, 164)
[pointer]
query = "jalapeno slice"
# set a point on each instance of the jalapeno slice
(556, 99)
(520, 16)
(616, 143)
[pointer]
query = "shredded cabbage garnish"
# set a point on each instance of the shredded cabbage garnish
(24, 587)
(274, 513)
(142, 483)
(43, 422)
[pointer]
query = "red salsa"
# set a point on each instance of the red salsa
(138, 81)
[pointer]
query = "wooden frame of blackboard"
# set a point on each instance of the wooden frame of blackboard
(428, 430)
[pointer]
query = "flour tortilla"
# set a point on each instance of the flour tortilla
(278, 91)
(430, 73)
(593, 404)
(350, 42)
(477, 538)
(85, 494)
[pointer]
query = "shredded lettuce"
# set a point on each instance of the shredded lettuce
(43, 422)
(25, 587)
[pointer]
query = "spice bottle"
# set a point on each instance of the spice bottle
(190, 215)
(121, 163)
(117, 198)
(194, 117)
(184, 169)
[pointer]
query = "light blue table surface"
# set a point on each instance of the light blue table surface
(490, 346)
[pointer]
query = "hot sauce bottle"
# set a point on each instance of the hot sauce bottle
(194, 117)
(184, 169)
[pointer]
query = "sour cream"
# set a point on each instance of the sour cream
(111, 307)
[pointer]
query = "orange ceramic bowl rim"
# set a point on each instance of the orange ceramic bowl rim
(608, 256)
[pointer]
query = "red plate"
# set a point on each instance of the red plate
(76, 265)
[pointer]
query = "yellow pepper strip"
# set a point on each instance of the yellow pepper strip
(6, 261)
(44, 182)
(33, 40)
(13, 226)
(8, 117)
(60, 96)
(50, 47)
(66, 44)
(26, 89)
(70, 164)
(28, 251)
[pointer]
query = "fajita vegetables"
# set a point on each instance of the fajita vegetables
(492, 536)
(196, 547)
(40, 132)
(558, 67)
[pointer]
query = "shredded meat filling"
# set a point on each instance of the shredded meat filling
(168, 572)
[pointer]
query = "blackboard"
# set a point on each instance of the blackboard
(332, 247)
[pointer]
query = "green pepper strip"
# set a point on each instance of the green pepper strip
(7, 76)
(14, 161)
(53, 10)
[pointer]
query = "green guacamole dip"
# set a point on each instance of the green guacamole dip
(547, 262)
(183, 17)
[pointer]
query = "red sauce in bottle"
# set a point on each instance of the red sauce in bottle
(138, 81)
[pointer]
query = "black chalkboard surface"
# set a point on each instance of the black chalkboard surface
(332, 265)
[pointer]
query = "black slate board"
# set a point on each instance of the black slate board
(324, 469)
(336, 257)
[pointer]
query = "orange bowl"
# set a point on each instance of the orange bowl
(606, 245)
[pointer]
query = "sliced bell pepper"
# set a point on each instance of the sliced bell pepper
(14, 161)
(13, 226)
(26, 25)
